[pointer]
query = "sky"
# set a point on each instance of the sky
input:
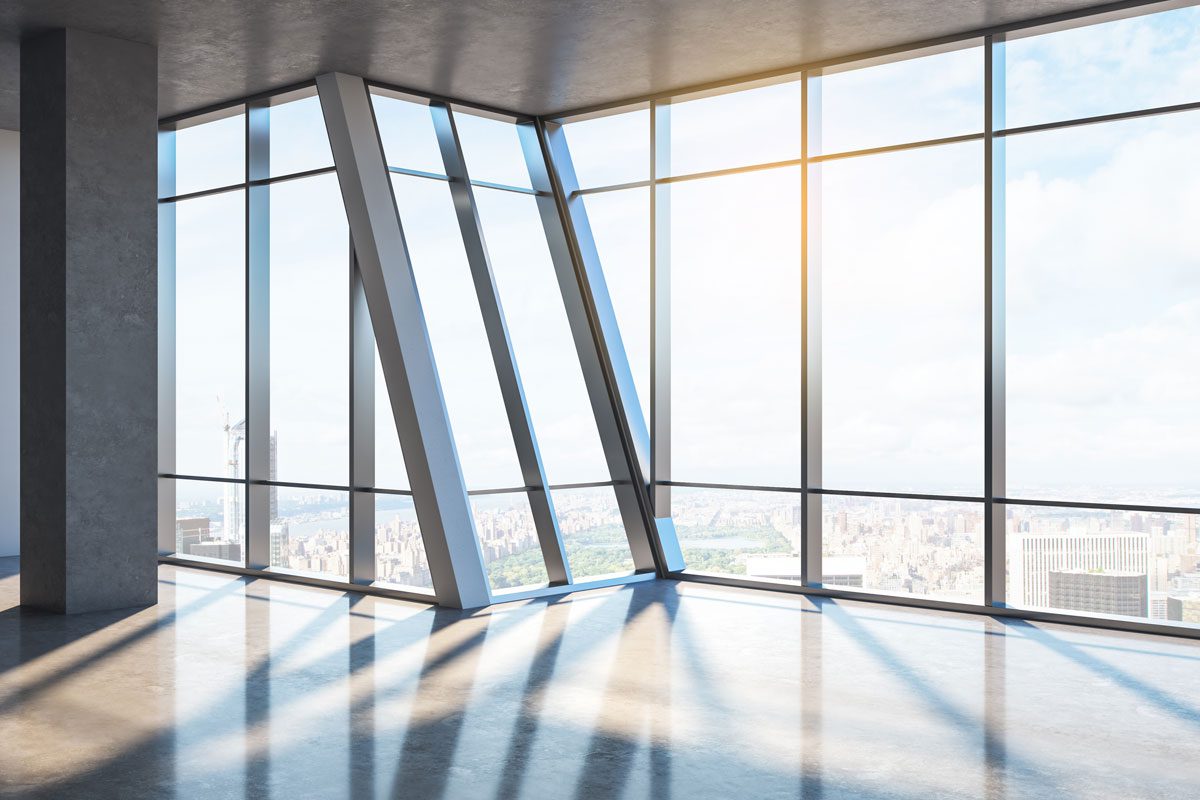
(1101, 261)
(309, 301)
(1101, 252)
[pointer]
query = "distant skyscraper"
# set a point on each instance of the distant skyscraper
(190, 531)
(273, 474)
(1183, 609)
(280, 539)
(843, 570)
(226, 551)
(1099, 592)
(1158, 606)
(779, 568)
(837, 570)
(1033, 556)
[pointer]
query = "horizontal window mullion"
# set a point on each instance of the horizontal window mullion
(233, 187)
(1101, 118)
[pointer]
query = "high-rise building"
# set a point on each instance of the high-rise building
(1183, 608)
(843, 570)
(1033, 556)
(225, 551)
(1158, 606)
(190, 531)
(1099, 592)
(778, 568)
(273, 474)
(280, 540)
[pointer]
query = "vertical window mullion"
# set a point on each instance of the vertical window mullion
(362, 432)
(166, 343)
(995, 577)
(810, 268)
(259, 505)
(660, 309)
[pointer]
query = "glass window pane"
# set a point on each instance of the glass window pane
(460, 348)
(406, 130)
(508, 538)
(210, 335)
(620, 223)
(1124, 65)
(919, 547)
(736, 532)
(1124, 563)
(310, 331)
(593, 532)
(1103, 325)
(901, 259)
(541, 338)
(210, 154)
(611, 149)
(298, 139)
(752, 126)
(390, 471)
(399, 550)
(312, 532)
(492, 149)
(735, 328)
(930, 97)
(210, 520)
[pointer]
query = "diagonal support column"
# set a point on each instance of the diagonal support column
(533, 473)
(439, 493)
(618, 413)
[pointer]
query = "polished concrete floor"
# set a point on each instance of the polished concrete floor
(247, 688)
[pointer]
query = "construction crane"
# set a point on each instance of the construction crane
(235, 437)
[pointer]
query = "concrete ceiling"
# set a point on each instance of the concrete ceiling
(535, 56)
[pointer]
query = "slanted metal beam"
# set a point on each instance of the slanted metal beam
(593, 321)
(405, 352)
(533, 473)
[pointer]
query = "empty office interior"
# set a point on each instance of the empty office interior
(524, 400)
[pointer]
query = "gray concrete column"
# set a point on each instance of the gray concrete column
(88, 322)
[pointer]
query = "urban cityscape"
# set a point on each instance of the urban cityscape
(310, 533)
(1124, 563)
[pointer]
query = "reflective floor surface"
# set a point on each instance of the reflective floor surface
(247, 688)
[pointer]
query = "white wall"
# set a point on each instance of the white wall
(10, 321)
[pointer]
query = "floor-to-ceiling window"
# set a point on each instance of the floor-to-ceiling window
(203, 221)
(983, 257)
(1102, 259)
(896, 264)
(281, 448)
(917, 324)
